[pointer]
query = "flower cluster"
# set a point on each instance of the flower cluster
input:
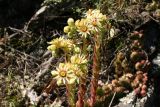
(63, 74)
(92, 22)
(83, 27)
(95, 19)
(70, 72)
(78, 59)
(61, 45)
(75, 69)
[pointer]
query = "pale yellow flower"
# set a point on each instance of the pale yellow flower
(78, 72)
(95, 25)
(61, 45)
(80, 64)
(89, 13)
(64, 74)
(83, 27)
(96, 14)
(77, 23)
(95, 19)
(78, 59)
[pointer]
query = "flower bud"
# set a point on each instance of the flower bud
(77, 50)
(70, 35)
(89, 48)
(70, 21)
(66, 29)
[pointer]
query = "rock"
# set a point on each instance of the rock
(152, 35)
(156, 60)
(131, 100)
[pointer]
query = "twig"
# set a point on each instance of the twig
(5, 63)
(22, 53)
(112, 99)
(19, 31)
(153, 18)
(45, 66)
(35, 16)
(13, 35)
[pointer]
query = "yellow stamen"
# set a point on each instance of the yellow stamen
(62, 73)
(83, 28)
(94, 22)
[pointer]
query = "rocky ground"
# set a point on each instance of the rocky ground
(25, 62)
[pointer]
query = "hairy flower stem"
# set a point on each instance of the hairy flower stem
(85, 44)
(71, 94)
(82, 85)
(81, 93)
(95, 71)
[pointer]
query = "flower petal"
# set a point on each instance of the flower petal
(59, 82)
(64, 80)
(54, 73)
(72, 80)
